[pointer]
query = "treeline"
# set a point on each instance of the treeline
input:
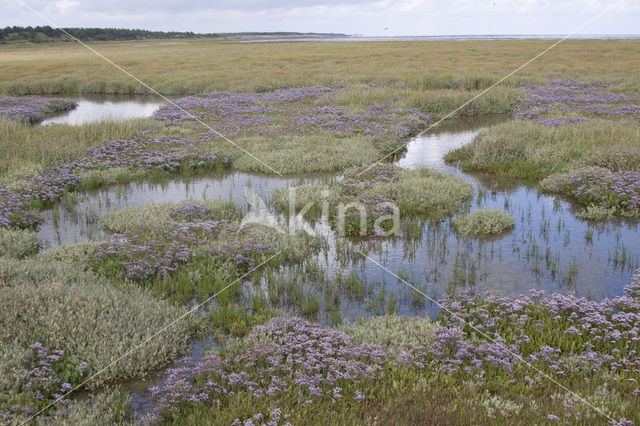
(49, 34)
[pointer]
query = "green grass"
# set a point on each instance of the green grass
(394, 333)
(304, 154)
(148, 217)
(422, 66)
(26, 150)
(116, 175)
(428, 193)
(522, 149)
(306, 199)
(232, 320)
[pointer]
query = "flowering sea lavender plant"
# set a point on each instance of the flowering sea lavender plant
(32, 109)
(359, 202)
(168, 154)
(563, 334)
(599, 187)
(563, 102)
(15, 210)
(633, 290)
(49, 376)
(294, 112)
(477, 340)
(283, 356)
(191, 213)
(18, 200)
(160, 252)
(144, 256)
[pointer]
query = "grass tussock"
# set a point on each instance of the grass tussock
(148, 217)
(523, 149)
(394, 333)
(484, 223)
(426, 192)
(115, 175)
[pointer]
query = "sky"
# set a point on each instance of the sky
(362, 17)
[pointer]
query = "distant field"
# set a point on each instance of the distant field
(193, 66)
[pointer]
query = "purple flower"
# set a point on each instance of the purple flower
(318, 360)
(563, 102)
(32, 109)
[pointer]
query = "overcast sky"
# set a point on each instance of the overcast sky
(371, 18)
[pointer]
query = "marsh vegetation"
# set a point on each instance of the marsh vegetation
(284, 289)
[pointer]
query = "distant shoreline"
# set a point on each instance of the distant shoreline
(487, 37)
(36, 35)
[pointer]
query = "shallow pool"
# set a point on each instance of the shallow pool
(92, 108)
(549, 249)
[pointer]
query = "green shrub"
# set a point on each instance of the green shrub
(393, 332)
(483, 222)
(18, 243)
(426, 192)
(65, 307)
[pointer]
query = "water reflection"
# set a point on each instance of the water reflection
(92, 108)
(549, 249)
(81, 221)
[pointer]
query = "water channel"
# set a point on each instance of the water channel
(550, 249)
